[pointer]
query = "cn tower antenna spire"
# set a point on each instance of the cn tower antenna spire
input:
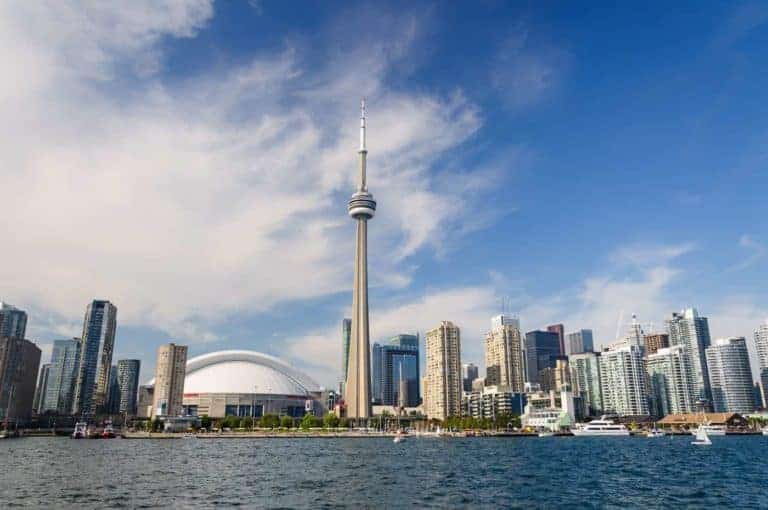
(363, 151)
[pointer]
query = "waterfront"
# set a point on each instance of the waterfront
(353, 473)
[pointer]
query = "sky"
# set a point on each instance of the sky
(191, 161)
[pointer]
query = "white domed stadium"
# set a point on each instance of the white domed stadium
(246, 383)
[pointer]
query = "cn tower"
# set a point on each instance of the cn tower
(362, 207)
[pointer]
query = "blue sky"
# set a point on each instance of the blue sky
(191, 160)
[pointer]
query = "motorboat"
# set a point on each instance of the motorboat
(765, 430)
(546, 433)
(601, 427)
(81, 430)
(654, 432)
(712, 430)
(702, 437)
(109, 431)
(399, 436)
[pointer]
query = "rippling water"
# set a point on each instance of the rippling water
(354, 473)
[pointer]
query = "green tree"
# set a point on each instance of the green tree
(205, 422)
(286, 422)
(331, 421)
(157, 424)
(344, 423)
(310, 421)
(269, 421)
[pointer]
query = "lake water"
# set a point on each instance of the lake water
(355, 473)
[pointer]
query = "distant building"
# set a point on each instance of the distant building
(655, 341)
(98, 342)
(400, 357)
(579, 341)
(549, 410)
(128, 382)
(730, 376)
(346, 334)
(542, 348)
(169, 380)
(557, 378)
(504, 354)
(145, 400)
(469, 373)
(692, 332)
(113, 393)
(492, 401)
(585, 377)
(443, 367)
(559, 330)
(761, 346)
(13, 322)
(377, 375)
(19, 365)
(623, 381)
(669, 374)
(65, 361)
(42, 384)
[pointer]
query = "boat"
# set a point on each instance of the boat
(81, 430)
(546, 433)
(601, 427)
(765, 430)
(654, 432)
(712, 430)
(702, 437)
(399, 437)
(109, 431)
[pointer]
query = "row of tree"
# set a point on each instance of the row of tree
(499, 422)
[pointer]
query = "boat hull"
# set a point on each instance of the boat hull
(600, 433)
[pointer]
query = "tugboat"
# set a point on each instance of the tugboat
(81, 430)
(109, 431)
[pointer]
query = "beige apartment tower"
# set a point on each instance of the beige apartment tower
(504, 354)
(169, 380)
(443, 379)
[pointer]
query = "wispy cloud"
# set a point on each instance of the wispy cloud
(756, 252)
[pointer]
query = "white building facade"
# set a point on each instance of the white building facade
(730, 376)
(623, 381)
(669, 375)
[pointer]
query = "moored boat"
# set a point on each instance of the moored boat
(601, 427)
(109, 431)
(702, 437)
(712, 430)
(81, 430)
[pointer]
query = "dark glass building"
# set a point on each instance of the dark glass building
(542, 348)
(391, 362)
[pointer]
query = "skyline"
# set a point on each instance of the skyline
(187, 135)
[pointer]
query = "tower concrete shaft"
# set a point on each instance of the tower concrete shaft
(362, 207)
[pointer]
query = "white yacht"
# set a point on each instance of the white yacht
(654, 432)
(765, 430)
(601, 427)
(712, 430)
(702, 438)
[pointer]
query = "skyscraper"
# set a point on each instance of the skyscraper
(654, 342)
(730, 376)
(504, 355)
(128, 381)
(42, 384)
(585, 376)
(623, 381)
(169, 380)
(542, 348)
(579, 341)
(346, 332)
(98, 341)
(19, 364)
(692, 332)
(362, 207)
(761, 346)
(377, 373)
(13, 322)
(112, 405)
(669, 374)
(443, 379)
(393, 361)
(469, 373)
(65, 361)
(559, 329)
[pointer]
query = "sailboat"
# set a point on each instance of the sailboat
(702, 438)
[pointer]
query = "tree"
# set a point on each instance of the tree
(344, 423)
(286, 422)
(157, 424)
(310, 421)
(269, 421)
(331, 421)
(205, 422)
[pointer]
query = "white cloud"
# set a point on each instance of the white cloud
(756, 250)
(186, 201)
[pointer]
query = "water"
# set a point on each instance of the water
(355, 473)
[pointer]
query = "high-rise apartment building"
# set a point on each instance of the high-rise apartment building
(113, 393)
(655, 341)
(65, 362)
(692, 332)
(585, 378)
(730, 376)
(559, 330)
(504, 355)
(469, 373)
(389, 363)
(169, 380)
(669, 375)
(623, 381)
(761, 346)
(42, 384)
(98, 342)
(557, 378)
(542, 348)
(346, 332)
(377, 373)
(13, 322)
(19, 365)
(128, 382)
(579, 341)
(443, 366)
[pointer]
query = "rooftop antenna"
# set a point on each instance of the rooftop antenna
(618, 324)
